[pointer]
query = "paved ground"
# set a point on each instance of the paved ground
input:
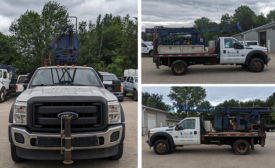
(129, 158)
(200, 74)
(209, 156)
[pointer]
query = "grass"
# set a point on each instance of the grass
(129, 94)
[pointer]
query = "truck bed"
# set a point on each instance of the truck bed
(187, 55)
(232, 134)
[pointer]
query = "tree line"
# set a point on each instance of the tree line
(247, 17)
(109, 44)
(197, 96)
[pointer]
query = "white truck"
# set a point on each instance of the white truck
(7, 81)
(192, 131)
(93, 119)
(130, 84)
(147, 48)
(20, 84)
(224, 51)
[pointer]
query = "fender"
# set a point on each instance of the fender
(11, 114)
(122, 114)
(162, 134)
(258, 52)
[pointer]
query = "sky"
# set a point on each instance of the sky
(216, 95)
(182, 13)
(85, 10)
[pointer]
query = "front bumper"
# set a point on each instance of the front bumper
(148, 141)
(106, 134)
(118, 94)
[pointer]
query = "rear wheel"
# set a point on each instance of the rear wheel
(135, 95)
(161, 147)
(241, 147)
(179, 67)
(124, 93)
(2, 96)
(151, 53)
(14, 155)
(256, 65)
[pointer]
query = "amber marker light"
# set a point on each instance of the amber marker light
(85, 65)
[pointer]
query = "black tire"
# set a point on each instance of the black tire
(124, 93)
(135, 95)
(256, 65)
(244, 66)
(151, 54)
(2, 96)
(241, 147)
(119, 154)
(179, 67)
(121, 99)
(14, 156)
(161, 147)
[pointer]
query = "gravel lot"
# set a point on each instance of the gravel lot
(201, 74)
(129, 158)
(209, 156)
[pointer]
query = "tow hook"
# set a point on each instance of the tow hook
(68, 140)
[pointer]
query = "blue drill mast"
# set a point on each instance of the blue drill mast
(232, 118)
(65, 46)
(9, 68)
(166, 36)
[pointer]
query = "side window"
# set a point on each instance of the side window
(143, 45)
(124, 78)
(0, 74)
(187, 124)
(5, 75)
(229, 42)
(131, 78)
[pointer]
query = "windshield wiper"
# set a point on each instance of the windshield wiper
(79, 84)
(42, 85)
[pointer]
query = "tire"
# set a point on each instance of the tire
(256, 65)
(121, 99)
(119, 154)
(2, 96)
(179, 67)
(151, 54)
(14, 156)
(135, 95)
(161, 147)
(124, 93)
(241, 147)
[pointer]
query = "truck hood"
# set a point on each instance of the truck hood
(51, 91)
(161, 129)
(257, 47)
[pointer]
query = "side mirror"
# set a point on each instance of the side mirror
(25, 85)
(177, 127)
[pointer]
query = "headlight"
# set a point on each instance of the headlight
(20, 113)
(114, 112)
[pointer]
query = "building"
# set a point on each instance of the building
(154, 118)
(172, 120)
(265, 35)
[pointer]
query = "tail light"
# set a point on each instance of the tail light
(16, 87)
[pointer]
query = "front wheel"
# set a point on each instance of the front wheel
(14, 155)
(2, 96)
(135, 95)
(120, 152)
(151, 53)
(161, 147)
(179, 67)
(256, 65)
(241, 147)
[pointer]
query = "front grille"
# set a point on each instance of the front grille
(90, 116)
(115, 136)
(19, 138)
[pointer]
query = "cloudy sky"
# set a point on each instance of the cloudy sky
(216, 95)
(178, 13)
(85, 10)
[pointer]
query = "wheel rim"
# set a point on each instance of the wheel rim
(2, 96)
(161, 147)
(151, 54)
(241, 147)
(257, 65)
(178, 68)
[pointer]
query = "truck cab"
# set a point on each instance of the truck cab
(147, 48)
(5, 84)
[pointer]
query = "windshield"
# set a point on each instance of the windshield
(149, 44)
(109, 77)
(65, 76)
(0, 74)
(136, 80)
(21, 79)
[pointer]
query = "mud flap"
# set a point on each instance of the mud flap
(262, 132)
(252, 143)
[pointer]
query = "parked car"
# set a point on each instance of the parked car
(130, 84)
(147, 48)
(108, 81)
(19, 84)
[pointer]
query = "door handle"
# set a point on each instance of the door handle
(224, 51)
(195, 132)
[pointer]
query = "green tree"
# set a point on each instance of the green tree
(260, 20)
(187, 95)
(226, 19)
(271, 16)
(273, 113)
(154, 100)
(245, 16)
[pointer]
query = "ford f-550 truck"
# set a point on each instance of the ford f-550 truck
(65, 112)
(223, 51)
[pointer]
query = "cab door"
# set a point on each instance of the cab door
(188, 132)
(6, 79)
(231, 55)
